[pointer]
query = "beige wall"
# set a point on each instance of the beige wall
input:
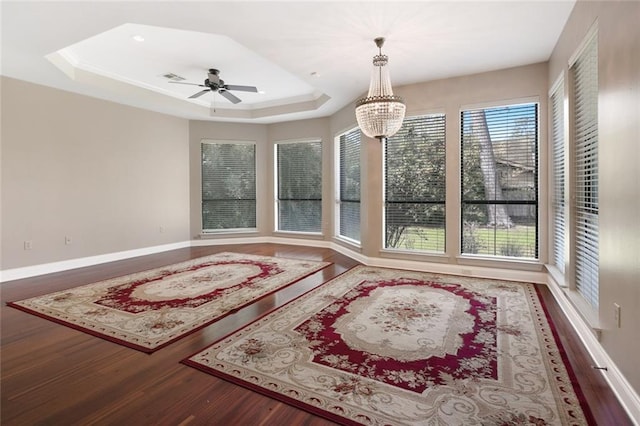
(619, 159)
(106, 175)
(110, 176)
(90, 209)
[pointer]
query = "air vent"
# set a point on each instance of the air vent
(173, 77)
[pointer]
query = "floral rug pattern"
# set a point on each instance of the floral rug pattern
(382, 346)
(150, 309)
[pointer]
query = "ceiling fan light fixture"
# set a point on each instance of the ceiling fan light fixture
(380, 113)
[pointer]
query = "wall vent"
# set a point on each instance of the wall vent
(173, 77)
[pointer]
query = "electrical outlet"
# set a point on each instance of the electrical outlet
(162, 229)
(68, 240)
(617, 315)
(28, 245)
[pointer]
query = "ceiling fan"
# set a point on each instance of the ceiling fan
(215, 84)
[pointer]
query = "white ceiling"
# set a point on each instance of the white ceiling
(309, 58)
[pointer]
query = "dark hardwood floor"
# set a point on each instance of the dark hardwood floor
(54, 375)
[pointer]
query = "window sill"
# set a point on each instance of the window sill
(415, 255)
(587, 312)
(350, 244)
(226, 233)
(294, 234)
(584, 310)
(557, 276)
(502, 262)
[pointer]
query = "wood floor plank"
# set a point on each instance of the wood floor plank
(52, 374)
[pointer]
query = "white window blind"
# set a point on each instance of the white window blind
(558, 203)
(349, 190)
(415, 189)
(500, 181)
(228, 186)
(585, 123)
(299, 186)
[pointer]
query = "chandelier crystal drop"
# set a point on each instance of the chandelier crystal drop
(380, 114)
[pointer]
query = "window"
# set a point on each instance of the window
(414, 187)
(584, 73)
(349, 185)
(228, 185)
(500, 181)
(558, 202)
(299, 186)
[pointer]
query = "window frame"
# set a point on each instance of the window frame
(277, 200)
(338, 187)
(443, 202)
(575, 276)
(559, 175)
(536, 203)
(204, 231)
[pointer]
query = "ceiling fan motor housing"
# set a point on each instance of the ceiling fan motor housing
(215, 84)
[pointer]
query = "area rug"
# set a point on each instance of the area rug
(388, 347)
(151, 309)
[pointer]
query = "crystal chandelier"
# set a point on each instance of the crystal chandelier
(380, 114)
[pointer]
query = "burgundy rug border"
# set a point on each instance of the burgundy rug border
(79, 327)
(343, 421)
(271, 394)
(146, 349)
(565, 359)
(259, 389)
(269, 312)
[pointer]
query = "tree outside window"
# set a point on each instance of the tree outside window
(500, 181)
(299, 186)
(228, 186)
(415, 185)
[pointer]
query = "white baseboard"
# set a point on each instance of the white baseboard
(414, 265)
(620, 386)
(456, 269)
(257, 240)
(64, 265)
(435, 267)
(627, 396)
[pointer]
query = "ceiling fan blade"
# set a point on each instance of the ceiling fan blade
(234, 99)
(241, 88)
(197, 95)
(190, 84)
